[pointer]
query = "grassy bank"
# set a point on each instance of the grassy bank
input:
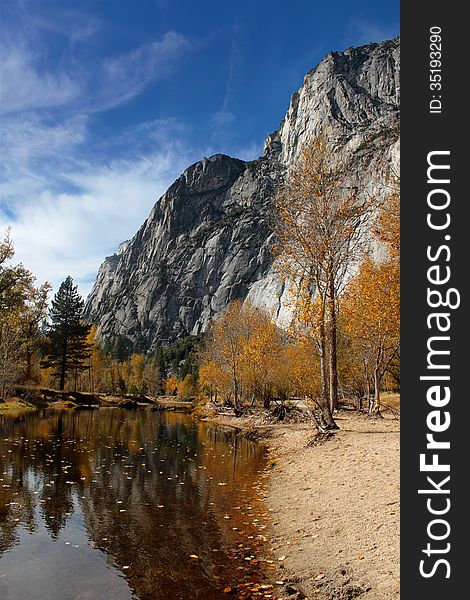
(16, 405)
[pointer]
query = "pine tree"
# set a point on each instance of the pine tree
(68, 347)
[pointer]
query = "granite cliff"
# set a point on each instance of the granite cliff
(206, 241)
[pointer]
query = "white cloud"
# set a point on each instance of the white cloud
(250, 152)
(68, 207)
(123, 77)
(102, 84)
(60, 234)
(35, 153)
(365, 30)
(25, 87)
(67, 196)
(222, 118)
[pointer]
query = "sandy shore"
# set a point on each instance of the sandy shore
(335, 506)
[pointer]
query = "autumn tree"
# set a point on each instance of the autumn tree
(319, 224)
(371, 310)
(372, 302)
(308, 352)
(170, 385)
(262, 356)
(151, 376)
(213, 376)
(10, 353)
(187, 387)
(22, 310)
(225, 344)
(68, 349)
(300, 371)
(243, 356)
(32, 318)
(14, 279)
(387, 225)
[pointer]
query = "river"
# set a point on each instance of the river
(115, 504)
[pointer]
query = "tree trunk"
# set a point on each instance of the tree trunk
(333, 349)
(235, 391)
(377, 403)
(326, 413)
(63, 365)
(29, 366)
(377, 375)
(323, 372)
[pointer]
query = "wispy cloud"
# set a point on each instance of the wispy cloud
(121, 78)
(222, 121)
(59, 232)
(364, 30)
(35, 153)
(250, 152)
(236, 59)
(69, 196)
(25, 86)
(28, 84)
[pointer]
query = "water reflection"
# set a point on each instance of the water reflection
(118, 504)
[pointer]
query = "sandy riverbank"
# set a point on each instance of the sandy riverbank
(334, 506)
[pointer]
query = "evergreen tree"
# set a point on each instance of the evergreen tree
(68, 348)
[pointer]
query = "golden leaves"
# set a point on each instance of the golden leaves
(243, 353)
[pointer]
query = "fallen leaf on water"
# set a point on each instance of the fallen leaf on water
(193, 556)
(227, 590)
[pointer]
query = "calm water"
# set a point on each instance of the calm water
(111, 504)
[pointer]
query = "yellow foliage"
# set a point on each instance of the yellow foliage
(187, 387)
(242, 355)
(170, 385)
(372, 302)
(371, 316)
(387, 227)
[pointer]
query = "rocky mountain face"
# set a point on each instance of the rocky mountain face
(207, 240)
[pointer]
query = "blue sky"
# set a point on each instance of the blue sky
(103, 103)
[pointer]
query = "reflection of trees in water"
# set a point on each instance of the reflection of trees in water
(181, 472)
(16, 496)
(148, 487)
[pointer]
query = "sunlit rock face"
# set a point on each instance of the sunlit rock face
(207, 240)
